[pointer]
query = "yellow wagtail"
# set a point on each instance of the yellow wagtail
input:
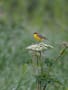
(39, 37)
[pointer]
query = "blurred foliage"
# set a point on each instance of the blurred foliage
(38, 11)
(18, 20)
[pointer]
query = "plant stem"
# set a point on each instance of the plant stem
(17, 88)
(61, 53)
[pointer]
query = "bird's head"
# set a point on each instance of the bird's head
(35, 33)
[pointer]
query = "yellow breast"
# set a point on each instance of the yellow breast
(37, 37)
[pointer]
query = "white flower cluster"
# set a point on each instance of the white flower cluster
(39, 47)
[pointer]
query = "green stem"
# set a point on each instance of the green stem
(41, 62)
(37, 60)
(18, 86)
(38, 85)
(61, 53)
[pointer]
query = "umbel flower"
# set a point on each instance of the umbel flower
(39, 47)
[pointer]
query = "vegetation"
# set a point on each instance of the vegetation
(18, 20)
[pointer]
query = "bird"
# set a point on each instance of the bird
(38, 36)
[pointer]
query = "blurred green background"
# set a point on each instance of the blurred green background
(18, 20)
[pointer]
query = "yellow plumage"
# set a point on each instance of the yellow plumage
(37, 37)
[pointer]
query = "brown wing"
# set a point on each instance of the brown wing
(42, 36)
